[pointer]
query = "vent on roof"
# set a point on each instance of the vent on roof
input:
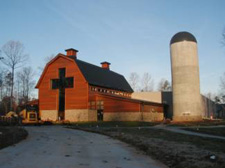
(71, 52)
(105, 65)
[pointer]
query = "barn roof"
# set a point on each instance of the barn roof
(98, 76)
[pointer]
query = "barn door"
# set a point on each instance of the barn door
(61, 104)
(100, 115)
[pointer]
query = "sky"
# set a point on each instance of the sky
(133, 35)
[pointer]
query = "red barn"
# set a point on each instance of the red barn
(74, 90)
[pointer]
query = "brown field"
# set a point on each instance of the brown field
(173, 149)
(220, 131)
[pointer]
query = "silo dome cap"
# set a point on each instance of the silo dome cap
(182, 36)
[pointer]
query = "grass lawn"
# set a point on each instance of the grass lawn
(114, 124)
(202, 123)
(220, 131)
(173, 149)
(10, 135)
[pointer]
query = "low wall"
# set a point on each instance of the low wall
(80, 115)
(92, 115)
(84, 115)
(187, 118)
(152, 116)
(133, 116)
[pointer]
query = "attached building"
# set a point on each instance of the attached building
(211, 110)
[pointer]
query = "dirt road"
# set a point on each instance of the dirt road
(58, 147)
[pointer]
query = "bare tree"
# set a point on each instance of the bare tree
(147, 82)
(134, 80)
(212, 96)
(209, 95)
(26, 82)
(222, 88)
(217, 99)
(8, 83)
(21, 84)
(222, 82)
(164, 85)
(221, 95)
(1, 85)
(1, 80)
(14, 58)
(45, 61)
(223, 37)
(5, 82)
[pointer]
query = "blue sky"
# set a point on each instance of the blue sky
(133, 35)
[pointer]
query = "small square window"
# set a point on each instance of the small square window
(54, 83)
(69, 82)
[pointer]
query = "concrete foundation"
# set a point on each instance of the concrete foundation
(152, 116)
(187, 118)
(84, 115)
(133, 116)
(49, 115)
(80, 115)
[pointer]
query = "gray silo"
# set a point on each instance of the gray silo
(187, 105)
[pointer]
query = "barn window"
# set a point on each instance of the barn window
(62, 73)
(92, 105)
(69, 82)
(55, 83)
(100, 104)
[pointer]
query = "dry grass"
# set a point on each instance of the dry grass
(220, 131)
(202, 123)
(113, 124)
(10, 135)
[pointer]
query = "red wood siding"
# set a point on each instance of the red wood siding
(75, 98)
(114, 103)
(151, 108)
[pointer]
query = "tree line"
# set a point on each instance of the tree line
(219, 97)
(145, 83)
(16, 79)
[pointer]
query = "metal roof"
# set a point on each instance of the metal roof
(98, 76)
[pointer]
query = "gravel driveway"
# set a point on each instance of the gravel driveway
(58, 147)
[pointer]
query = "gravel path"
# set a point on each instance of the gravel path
(58, 147)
